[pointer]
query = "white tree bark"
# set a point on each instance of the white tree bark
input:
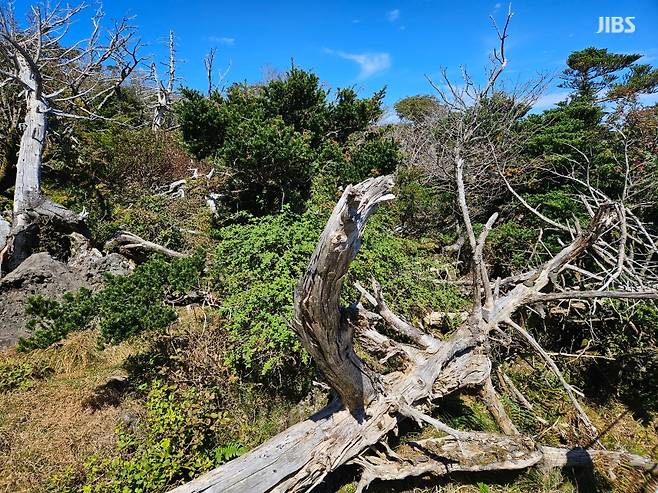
(28, 168)
(165, 92)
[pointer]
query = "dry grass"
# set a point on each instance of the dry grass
(50, 427)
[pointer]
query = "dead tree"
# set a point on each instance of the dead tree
(57, 81)
(131, 245)
(209, 64)
(356, 428)
(164, 92)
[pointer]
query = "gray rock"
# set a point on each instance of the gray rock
(40, 274)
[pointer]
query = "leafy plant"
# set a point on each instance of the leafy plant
(178, 438)
(127, 305)
(255, 269)
(20, 375)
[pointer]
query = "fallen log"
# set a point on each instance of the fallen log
(130, 244)
(371, 406)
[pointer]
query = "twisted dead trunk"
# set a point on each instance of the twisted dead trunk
(31, 208)
(356, 430)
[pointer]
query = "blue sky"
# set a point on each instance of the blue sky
(371, 44)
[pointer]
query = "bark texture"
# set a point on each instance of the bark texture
(318, 320)
(28, 169)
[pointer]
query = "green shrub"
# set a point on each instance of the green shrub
(558, 204)
(127, 305)
(178, 439)
(149, 217)
(416, 108)
(372, 155)
(51, 320)
(405, 268)
(351, 114)
(256, 267)
(422, 210)
(269, 163)
(202, 121)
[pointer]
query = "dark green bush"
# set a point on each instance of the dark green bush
(52, 320)
(269, 164)
(127, 305)
(349, 114)
(371, 155)
(270, 140)
(256, 267)
(203, 122)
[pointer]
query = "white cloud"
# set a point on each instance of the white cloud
(393, 15)
(497, 7)
(370, 63)
(222, 40)
(550, 99)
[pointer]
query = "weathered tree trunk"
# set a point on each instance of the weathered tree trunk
(27, 190)
(164, 92)
(30, 206)
(160, 111)
(373, 404)
(318, 319)
(5, 230)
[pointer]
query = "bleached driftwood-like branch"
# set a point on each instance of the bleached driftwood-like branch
(372, 405)
(130, 244)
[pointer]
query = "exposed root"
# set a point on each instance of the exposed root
(473, 452)
(479, 452)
